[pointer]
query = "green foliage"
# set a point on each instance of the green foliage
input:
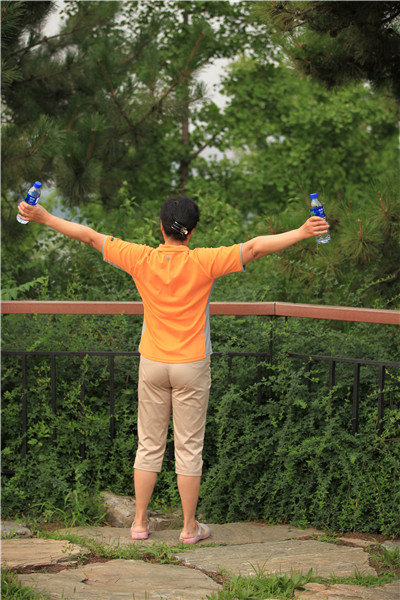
(110, 93)
(389, 559)
(15, 292)
(261, 585)
(338, 42)
(357, 268)
(279, 138)
(11, 588)
(282, 449)
(292, 456)
(287, 137)
(104, 120)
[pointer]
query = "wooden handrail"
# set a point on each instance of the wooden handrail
(278, 309)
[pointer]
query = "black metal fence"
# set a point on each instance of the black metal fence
(358, 363)
(263, 362)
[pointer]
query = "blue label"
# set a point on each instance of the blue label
(317, 211)
(31, 200)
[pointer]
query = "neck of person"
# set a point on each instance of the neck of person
(171, 241)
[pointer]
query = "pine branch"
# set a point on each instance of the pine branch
(44, 164)
(65, 70)
(35, 147)
(106, 76)
(186, 73)
(360, 234)
(295, 17)
(39, 143)
(46, 39)
(113, 96)
(75, 114)
(89, 152)
(205, 144)
(126, 60)
(300, 46)
(71, 163)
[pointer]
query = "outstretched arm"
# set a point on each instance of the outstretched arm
(267, 244)
(76, 231)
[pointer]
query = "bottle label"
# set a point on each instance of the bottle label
(31, 200)
(317, 211)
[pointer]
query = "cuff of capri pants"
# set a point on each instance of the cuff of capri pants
(143, 466)
(195, 471)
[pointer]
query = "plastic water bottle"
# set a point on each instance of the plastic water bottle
(317, 210)
(32, 198)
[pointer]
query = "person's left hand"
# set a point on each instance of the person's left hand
(314, 226)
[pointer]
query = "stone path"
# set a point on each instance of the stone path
(236, 548)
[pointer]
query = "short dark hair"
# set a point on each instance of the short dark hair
(179, 216)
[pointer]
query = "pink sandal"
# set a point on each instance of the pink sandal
(202, 534)
(139, 535)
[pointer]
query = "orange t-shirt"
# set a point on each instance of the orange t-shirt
(175, 284)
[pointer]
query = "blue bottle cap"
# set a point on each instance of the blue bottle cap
(37, 184)
(313, 196)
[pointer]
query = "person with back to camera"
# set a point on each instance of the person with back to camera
(175, 284)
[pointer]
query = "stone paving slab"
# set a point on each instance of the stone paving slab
(241, 545)
(124, 580)
(318, 591)
(281, 557)
(36, 552)
(356, 542)
(227, 534)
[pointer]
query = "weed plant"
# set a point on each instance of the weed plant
(387, 559)
(11, 588)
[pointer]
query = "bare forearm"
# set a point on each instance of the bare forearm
(75, 231)
(267, 244)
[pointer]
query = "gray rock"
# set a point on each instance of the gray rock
(13, 529)
(124, 580)
(161, 521)
(120, 510)
(392, 545)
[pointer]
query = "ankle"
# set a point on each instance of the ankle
(140, 521)
(190, 528)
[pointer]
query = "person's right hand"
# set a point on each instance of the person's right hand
(313, 226)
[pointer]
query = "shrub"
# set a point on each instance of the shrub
(281, 449)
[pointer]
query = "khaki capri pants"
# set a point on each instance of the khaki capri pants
(184, 388)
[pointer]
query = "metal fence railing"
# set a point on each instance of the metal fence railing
(261, 309)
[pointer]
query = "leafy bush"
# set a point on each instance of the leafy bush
(281, 449)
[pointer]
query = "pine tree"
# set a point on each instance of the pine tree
(107, 103)
(338, 42)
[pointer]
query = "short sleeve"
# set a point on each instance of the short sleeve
(217, 262)
(124, 255)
